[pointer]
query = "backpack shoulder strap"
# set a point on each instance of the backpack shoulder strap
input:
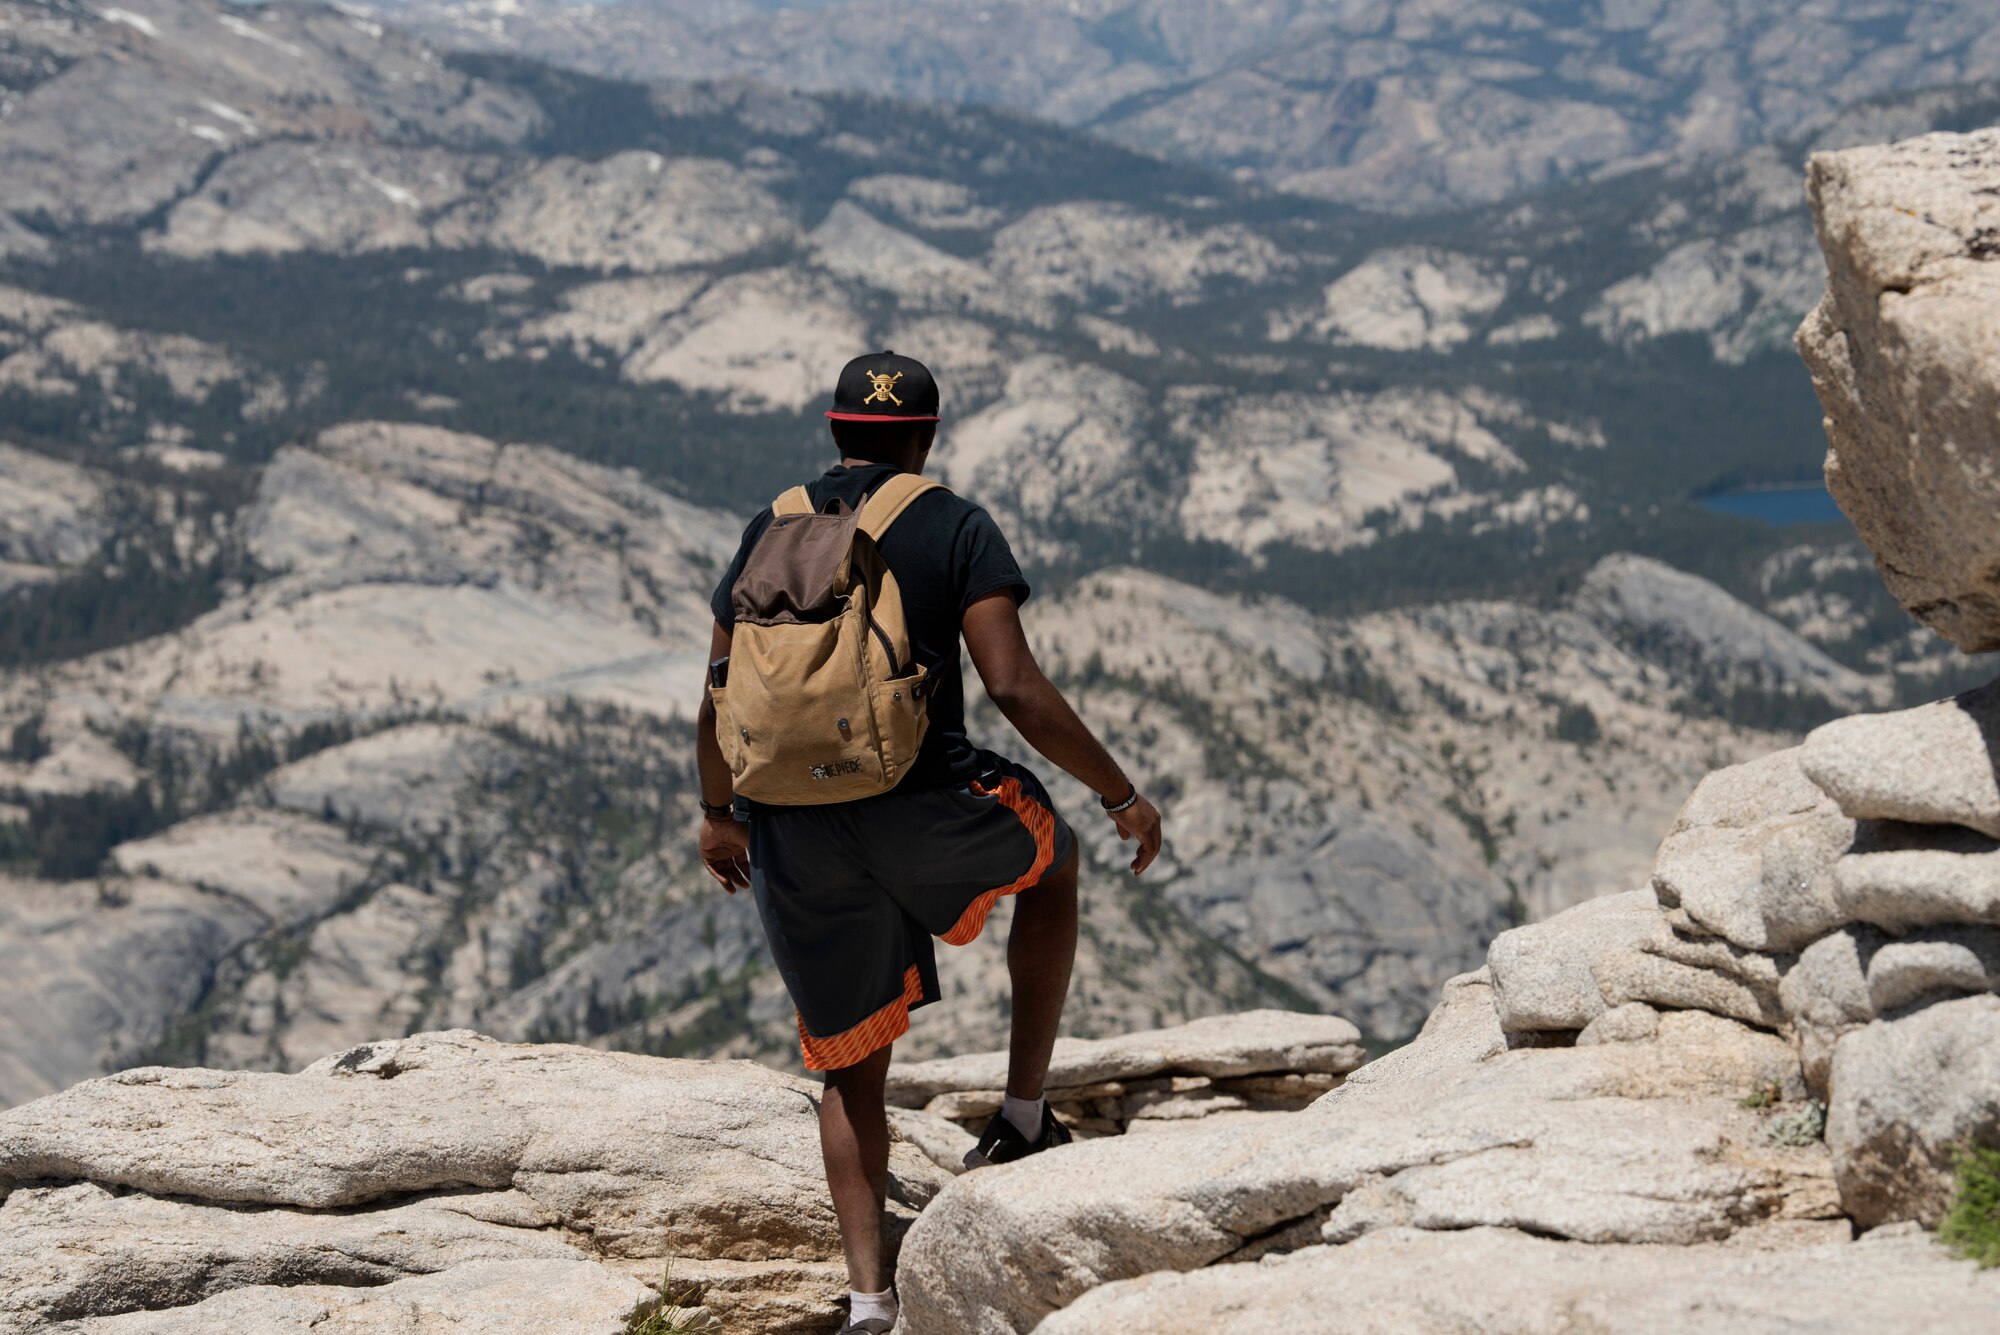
(797, 501)
(891, 499)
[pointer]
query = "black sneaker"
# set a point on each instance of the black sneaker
(1001, 1143)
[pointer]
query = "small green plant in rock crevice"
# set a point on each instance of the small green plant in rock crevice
(677, 1313)
(1803, 1126)
(1972, 1227)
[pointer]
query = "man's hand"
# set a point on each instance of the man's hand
(725, 851)
(1140, 821)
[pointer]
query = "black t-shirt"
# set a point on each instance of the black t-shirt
(946, 554)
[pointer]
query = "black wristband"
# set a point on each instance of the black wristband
(726, 811)
(1131, 800)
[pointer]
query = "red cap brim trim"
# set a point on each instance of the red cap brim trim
(878, 417)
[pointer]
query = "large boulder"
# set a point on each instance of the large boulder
(1542, 979)
(1751, 855)
(1905, 354)
(1855, 976)
(1565, 974)
(1938, 764)
(1502, 1282)
(1920, 969)
(1676, 970)
(1908, 1095)
(1900, 878)
(1825, 995)
(398, 1159)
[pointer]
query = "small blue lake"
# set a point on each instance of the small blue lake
(1805, 504)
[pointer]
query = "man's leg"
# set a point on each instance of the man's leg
(1040, 950)
(854, 1140)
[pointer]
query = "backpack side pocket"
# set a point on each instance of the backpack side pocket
(728, 737)
(902, 716)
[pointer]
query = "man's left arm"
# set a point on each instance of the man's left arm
(724, 840)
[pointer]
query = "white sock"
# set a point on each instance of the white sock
(1025, 1114)
(871, 1306)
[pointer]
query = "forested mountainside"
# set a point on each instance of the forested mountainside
(431, 767)
(375, 422)
(1407, 106)
(1247, 391)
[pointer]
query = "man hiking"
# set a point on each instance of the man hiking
(838, 782)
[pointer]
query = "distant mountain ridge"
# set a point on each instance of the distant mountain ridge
(1409, 106)
(642, 273)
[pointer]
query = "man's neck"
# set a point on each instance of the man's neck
(900, 465)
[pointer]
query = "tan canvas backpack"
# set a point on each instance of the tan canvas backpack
(822, 701)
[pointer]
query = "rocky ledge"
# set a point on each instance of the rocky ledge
(1224, 1068)
(501, 1188)
(495, 1187)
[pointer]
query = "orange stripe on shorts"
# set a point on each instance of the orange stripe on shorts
(874, 1033)
(1041, 823)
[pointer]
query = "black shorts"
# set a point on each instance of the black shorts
(851, 895)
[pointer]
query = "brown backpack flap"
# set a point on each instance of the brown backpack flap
(801, 568)
(799, 571)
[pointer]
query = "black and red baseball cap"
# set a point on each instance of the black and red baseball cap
(880, 386)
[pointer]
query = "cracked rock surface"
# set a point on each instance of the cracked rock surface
(482, 1298)
(1638, 1142)
(1504, 1282)
(452, 1182)
(402, 1184)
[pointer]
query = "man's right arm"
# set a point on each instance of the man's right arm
(1016, 684)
